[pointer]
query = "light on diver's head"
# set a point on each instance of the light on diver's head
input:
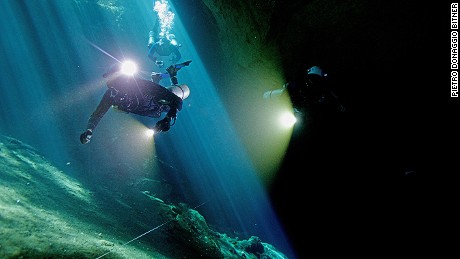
(128, 68)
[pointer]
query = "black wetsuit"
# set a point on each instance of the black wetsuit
(135, 95)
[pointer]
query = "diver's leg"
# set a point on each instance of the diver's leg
(183, 64)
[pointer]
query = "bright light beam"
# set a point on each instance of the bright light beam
(287, 120)
(149, 133)
(103, 51)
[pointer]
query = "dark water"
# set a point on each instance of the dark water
(53, 55)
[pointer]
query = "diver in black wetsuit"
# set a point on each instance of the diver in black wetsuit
(311, 92)
(133, 94)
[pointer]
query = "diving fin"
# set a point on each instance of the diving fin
(183, 64)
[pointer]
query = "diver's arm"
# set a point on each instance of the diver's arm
(166, 123)
(335, 101)
(175, 105)
(102, 108)
(274, 94)
(96, 116)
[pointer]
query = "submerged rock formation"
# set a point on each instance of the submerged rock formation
(46, 213)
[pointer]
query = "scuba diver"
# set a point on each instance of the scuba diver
(132, 94)
(164, 47)
(162, 44)
(309, 92)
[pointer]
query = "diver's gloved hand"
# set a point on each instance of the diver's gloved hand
(85, 137)
(162, 125)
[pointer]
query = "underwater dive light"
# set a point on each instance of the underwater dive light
(287, 119)
(149, 133)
